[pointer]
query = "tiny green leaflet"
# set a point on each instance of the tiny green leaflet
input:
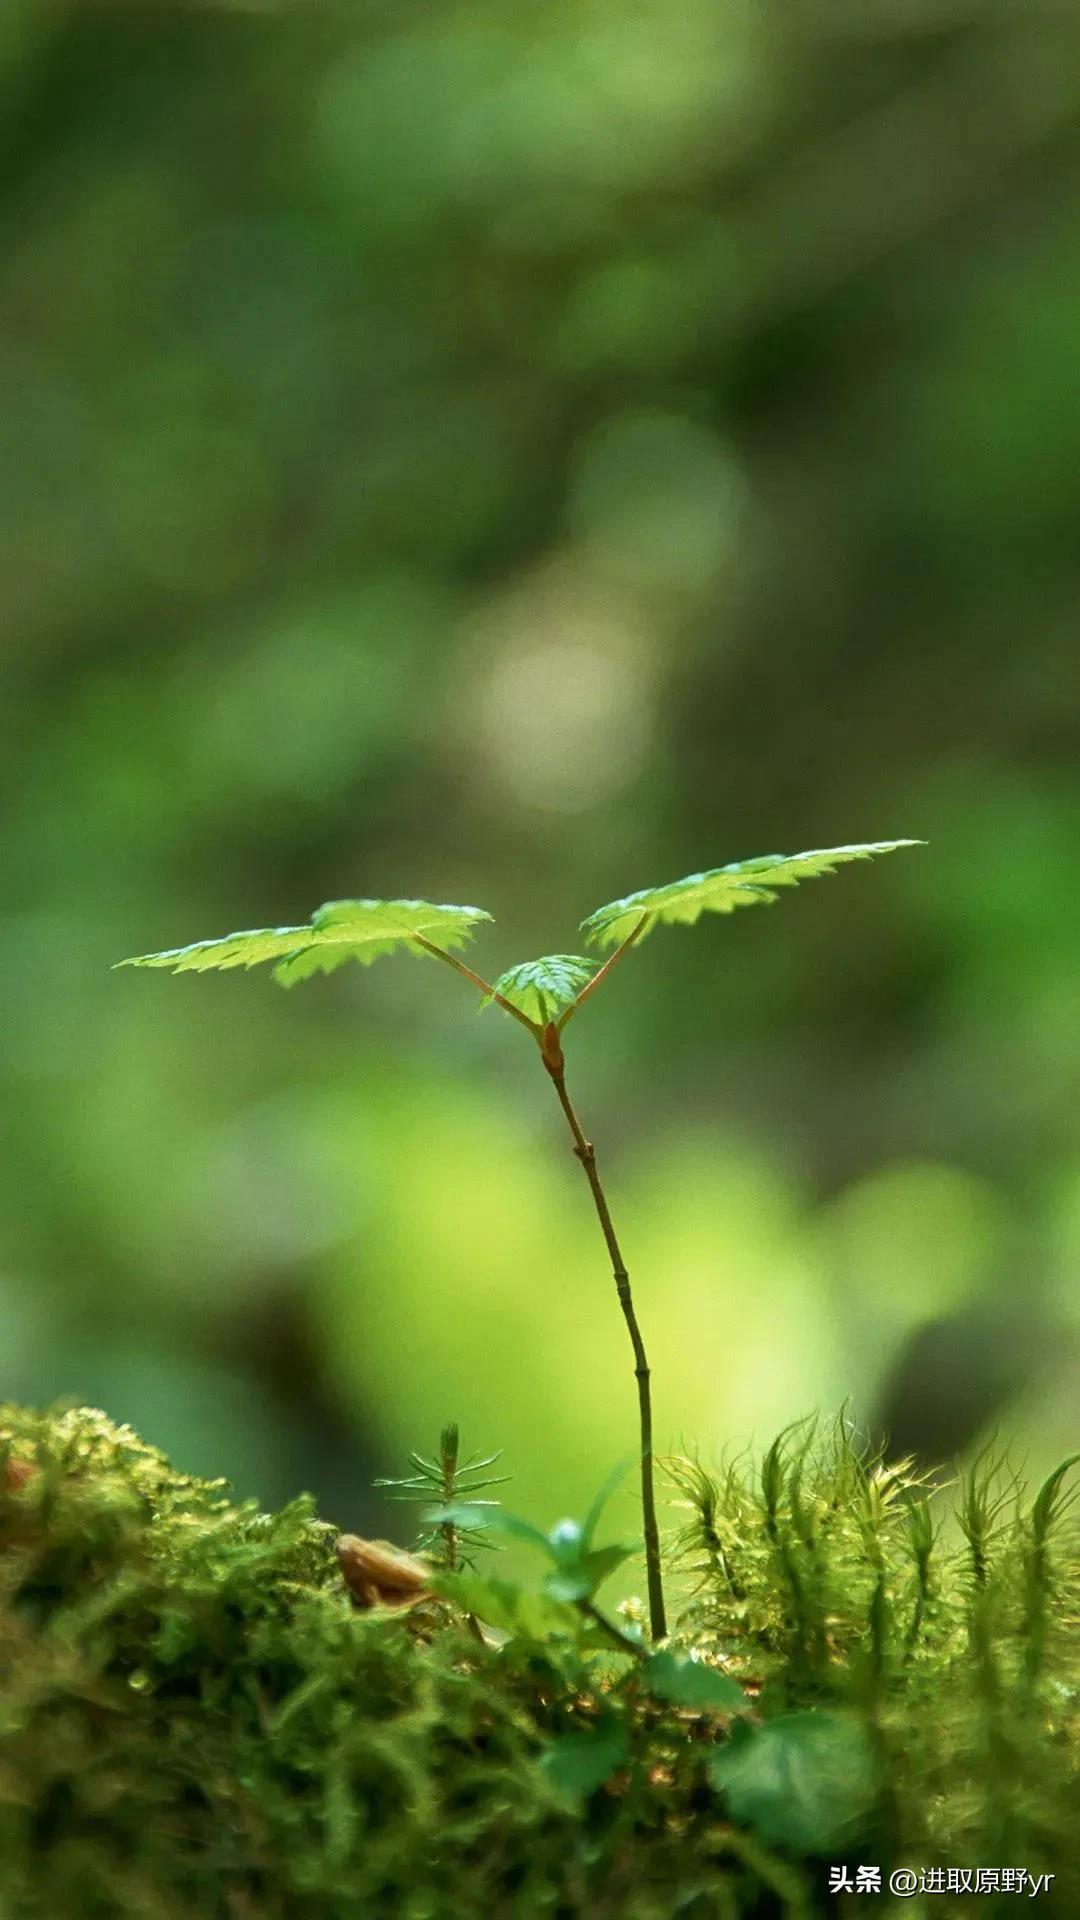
(542, 989)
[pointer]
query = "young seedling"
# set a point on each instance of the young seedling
(449, 1480)
(576, 1568)
(542, 996)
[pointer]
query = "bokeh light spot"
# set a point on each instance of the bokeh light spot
(662, 497)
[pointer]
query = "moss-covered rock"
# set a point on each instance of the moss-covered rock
(195, 1720)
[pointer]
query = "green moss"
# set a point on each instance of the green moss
(195, 1721)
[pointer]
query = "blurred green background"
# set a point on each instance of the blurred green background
(516, 453)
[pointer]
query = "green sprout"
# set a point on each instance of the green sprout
(449, 1480)
(542, 996)
(576, 1566)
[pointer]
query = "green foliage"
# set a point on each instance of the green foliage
(542, 989)
(562, 1621)
(806, 1782)
(578, 1763)
(985, 1498)
(520, 1613)
(577, 1567)
(541, 995)
(881, 1620)
(1052, 1502)
(270, 665)
(692, 1683)
(1048, 1513)
(744, 883)
(539, 989)
(580, 1571)
(341, 930)
(451, 1481)
(195, 1722)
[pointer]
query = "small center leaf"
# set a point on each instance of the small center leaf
(543, 989)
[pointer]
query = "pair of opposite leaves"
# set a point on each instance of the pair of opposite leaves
(541, 989)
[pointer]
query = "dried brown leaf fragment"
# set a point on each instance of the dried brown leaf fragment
(380, 1575)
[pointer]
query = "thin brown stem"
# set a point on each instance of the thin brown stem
(440, 953)
(584, 1150)
(592, 985)
(547, 1038)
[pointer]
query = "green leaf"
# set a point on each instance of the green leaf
(617, 1474)
(339, 931)
(578, 1763)
(522, 1613)
(542, 989)
(579, 1576)
(690, 1683)
(327, 958)
(745, 883)
(598, 1564)
(581, 1568)
(805, 1781)
(508, 1523)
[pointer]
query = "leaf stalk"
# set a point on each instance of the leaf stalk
(634, 934)
(489, 993)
